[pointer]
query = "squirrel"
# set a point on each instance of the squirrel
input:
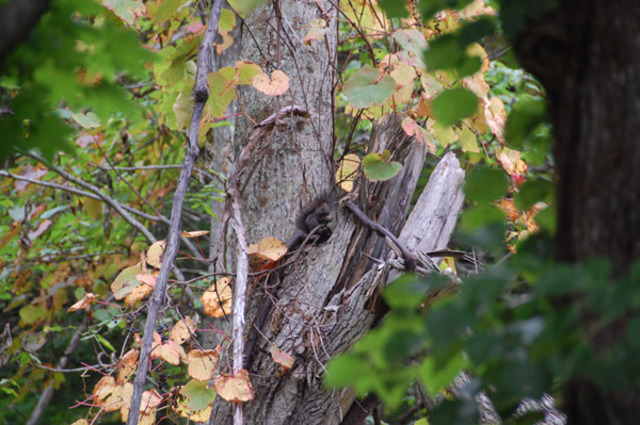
(316, 217)
(313, 221)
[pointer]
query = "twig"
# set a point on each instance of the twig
(92, 195)
(77, 192)
(409, 258)
(106, 198)
(45, 398)
(200, 96)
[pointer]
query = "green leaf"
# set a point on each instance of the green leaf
(524, 121)
(368, 87)
(437, 376)
(431, 7)
(394, 8)
(406, 292)
(31, 314)
(88, 120)
(104, 342)
(474, 31)
(453, 105)
(444, 53)
(198, 395)
(532, 191)
(376, 166)
(222, 90)
(166, 10)
(484, 184)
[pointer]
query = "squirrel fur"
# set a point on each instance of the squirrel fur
(316, 215)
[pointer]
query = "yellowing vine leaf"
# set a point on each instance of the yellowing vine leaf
(126, 281)
(194, 415)
(197, 395)
(276, 86)
(154, 254)
(422, 136)
(237, 388)
(127, 366)
(496, 117)
(169, 350)
(203, 364)
(218, 298)
(183, 330)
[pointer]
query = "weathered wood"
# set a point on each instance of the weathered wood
(322, 302)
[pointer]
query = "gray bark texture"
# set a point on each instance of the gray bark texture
(327, 297)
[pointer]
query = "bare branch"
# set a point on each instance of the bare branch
(78, 192)
(106, 198)
(200, 96)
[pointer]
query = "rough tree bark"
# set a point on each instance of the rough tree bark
(326, 298)
(587, 55)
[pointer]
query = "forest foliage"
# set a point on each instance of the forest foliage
(100, 100)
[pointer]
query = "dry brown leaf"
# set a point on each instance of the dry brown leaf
(270, 249)
(284, 359)
(83, 303)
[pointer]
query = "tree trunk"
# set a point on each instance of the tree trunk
(587, 55)
(326, 297)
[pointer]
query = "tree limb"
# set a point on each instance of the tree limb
(200, 96)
